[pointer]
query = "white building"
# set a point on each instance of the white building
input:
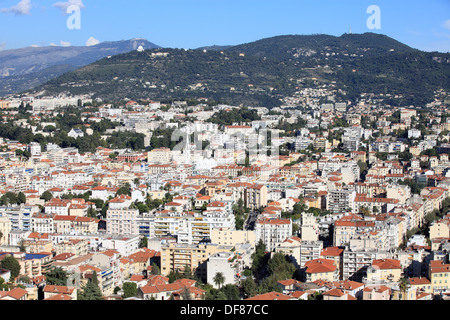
(272, 232)
(122, 221)
(221, 262)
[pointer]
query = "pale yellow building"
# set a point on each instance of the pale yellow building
(83, 225)
(255, 196)
(439, 275)
(178, 257)
(5, 104)
(78, 247)
(384, 270)
(376, 293)
(440, 228)
(5, 229)
(159, 156)
(321, 269)
(227, 237)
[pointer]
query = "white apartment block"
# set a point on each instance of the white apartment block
(223, 262)
(20, 217)
(355, 262)
(126, 245)
(192, 228)
(42, 223)
(339, 201)
(272, 232)
(122, 221)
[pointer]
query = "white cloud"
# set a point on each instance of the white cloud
(64, 5)
(447, 24)
(22, 8)
(92, 42)
(65, 44)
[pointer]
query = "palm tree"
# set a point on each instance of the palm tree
(219, 279)
(403, 284)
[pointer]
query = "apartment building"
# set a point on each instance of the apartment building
(440, 228)
(178, 257)
(348, 227)
(321, 269)
(78, 247)
(224, 263)
(439, 275)
(384, 271)
(342, 200)
(300, 252)
(192, 227)
(75, 224)
(5, 229)
(122, 221)
(229, 237)
(255, 196)
(272, 232)
(355, 263)
(31, 265)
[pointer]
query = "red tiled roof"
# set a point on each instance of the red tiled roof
(270, 296)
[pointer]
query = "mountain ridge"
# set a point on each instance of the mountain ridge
(262, 72)
(21, 69)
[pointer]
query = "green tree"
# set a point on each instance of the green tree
(142, 207)
(10, 263)
(280, 267)
(144, 242)
(249, 287)
(126, 190)
(259, 259)
(91, 290)
(219, 279)
(403, 285)
(155, 269)
(129, 289)
(231, 292)
(9, 198)
(56, 276)
(21, 198)
(46, 195)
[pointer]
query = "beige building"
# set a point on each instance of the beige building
(420, 283)
(51, 291)
(77, 247)
(336, 255)
(159, 156)
(5, 104)
(177, 257)
(337, 294)
(440, 228)
(384, 271)
(82, 225)
(122, 221)
(321, 269)
(255, 196)
(309, 229)
(375, 293)
(439, 275)
(228, 237)
(33, 266)
(5, 229)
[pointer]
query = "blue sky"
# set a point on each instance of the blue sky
(194, 23)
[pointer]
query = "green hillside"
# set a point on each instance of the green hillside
(263, 72)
